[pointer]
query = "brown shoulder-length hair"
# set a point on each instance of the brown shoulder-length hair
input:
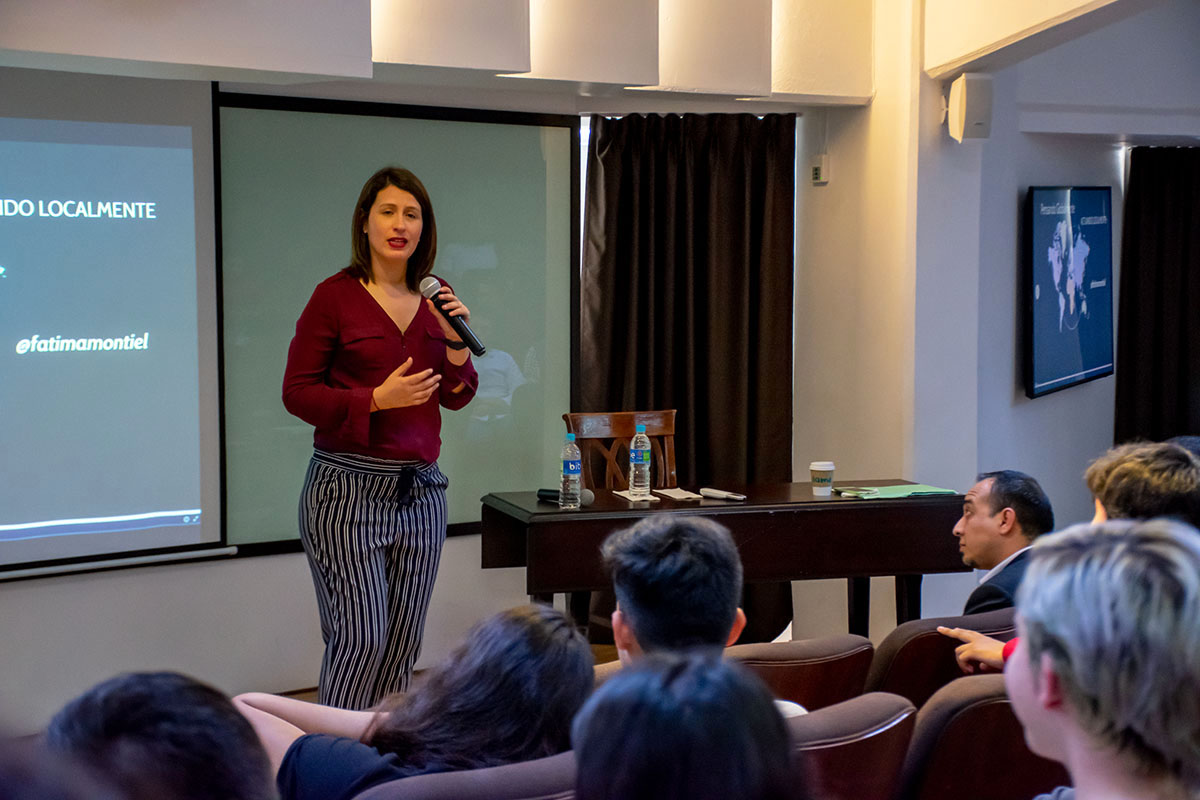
(421, 263)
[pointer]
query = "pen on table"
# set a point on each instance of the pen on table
(721, 494)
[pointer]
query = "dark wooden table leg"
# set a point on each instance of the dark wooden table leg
(578, 608)
(908, 598)
(858, 604)
(577, 605)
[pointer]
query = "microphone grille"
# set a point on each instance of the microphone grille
(586, 497)
(430, 286)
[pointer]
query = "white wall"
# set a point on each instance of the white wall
(854, 272)
(465, 34)
(961, 31)
(302, 36)
(691, 31)
(855, 285)
(947, 353)
(237, 624)
(823, 50)
(1053, 437)
(1127, 81)
(896, 174)
(601, 41)
(240, 624)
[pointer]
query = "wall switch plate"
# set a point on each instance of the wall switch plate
(819, 169)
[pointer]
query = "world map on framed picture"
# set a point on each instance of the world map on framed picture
(1068, 287)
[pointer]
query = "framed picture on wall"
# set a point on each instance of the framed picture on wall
(1068, 287)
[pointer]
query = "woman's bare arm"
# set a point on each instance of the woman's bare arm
(309, 717)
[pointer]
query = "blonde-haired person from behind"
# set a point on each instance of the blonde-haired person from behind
(1106, 674)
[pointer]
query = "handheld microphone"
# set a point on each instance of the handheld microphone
(430, 287)
(586, 496)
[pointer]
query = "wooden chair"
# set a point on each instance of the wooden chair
(603, 440)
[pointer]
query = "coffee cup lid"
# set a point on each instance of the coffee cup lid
(821, 465)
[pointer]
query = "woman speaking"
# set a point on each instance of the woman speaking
(369, 366)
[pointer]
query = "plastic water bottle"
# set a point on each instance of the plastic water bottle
(639, 464)
(568, 490)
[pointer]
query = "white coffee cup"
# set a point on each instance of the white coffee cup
(822, 478)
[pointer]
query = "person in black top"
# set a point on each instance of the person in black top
(506, 694)
(1138, 480)
(686, 725)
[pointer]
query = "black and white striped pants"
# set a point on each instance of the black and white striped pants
(373, 531)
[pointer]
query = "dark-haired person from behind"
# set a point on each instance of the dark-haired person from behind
(1189, 443)
(1002, 514)
(683, 726)
(28, 772)
(506, 694)
(163, 735)
(678, 579)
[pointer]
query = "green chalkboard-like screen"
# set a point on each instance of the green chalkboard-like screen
(502, 188)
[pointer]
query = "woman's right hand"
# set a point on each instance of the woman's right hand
(401, 389)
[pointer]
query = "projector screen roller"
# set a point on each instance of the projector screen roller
(100, 333)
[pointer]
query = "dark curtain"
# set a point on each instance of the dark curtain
(1158, 329)
(687, 295)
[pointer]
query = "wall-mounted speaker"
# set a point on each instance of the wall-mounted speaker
(969, 110)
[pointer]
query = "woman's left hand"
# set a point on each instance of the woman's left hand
(454, 307)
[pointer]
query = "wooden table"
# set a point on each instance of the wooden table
(782, 531)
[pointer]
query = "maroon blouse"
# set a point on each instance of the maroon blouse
(346, 345)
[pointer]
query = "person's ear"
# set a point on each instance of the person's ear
(1049, 688)
(623, 636)
(739, 622)
(1008, 520)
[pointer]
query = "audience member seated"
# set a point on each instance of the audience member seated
(28, 772)
(1142, 480)
(506, 694)
(677, 580)
(1002, 514)
(687, 726)
(1106, 674)
(1189, 443)
(163, 735)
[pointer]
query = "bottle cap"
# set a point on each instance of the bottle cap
(641, 428)
(570, 437)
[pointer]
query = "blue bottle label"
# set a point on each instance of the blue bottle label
(572, 467)
(639, 456)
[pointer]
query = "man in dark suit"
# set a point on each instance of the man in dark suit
(1002, 514)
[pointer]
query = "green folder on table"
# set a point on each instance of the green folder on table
(899, 490)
